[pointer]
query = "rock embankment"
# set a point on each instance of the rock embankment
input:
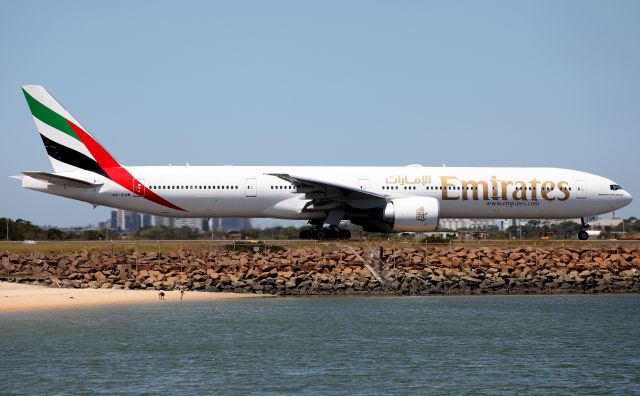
(408, 271)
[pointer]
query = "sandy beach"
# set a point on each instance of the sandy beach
(15, 297)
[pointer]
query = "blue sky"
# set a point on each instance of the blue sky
(538, 83)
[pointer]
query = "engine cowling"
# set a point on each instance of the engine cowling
(412, 214)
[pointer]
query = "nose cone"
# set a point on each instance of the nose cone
(621, 199)
(626, 198)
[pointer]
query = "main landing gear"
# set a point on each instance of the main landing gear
(320, 233)
(583, 235)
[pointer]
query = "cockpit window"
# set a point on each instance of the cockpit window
(615, 187)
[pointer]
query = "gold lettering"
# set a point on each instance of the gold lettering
(446, 185)
(562, 186)
(499, 189)
(520, 193)
(494, 188)
(546, 187)
(474, 187)
(504, 188)
(534, 193)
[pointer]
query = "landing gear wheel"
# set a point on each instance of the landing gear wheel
(583, 235)
(322, 233)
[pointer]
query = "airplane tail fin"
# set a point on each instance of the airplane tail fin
(68, 144)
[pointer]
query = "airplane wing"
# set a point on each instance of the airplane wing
(61, 180)
(327, 195)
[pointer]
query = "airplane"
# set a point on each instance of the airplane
(380, 199)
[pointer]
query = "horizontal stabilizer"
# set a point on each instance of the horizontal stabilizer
(61, 180)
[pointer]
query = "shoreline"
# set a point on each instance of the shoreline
(344, 271)
(16, 297)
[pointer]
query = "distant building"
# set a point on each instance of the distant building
(195, 224)
(456, 224)
(146, 220)
(126, 220)
(601, 224)
(120, 220)
(159, 221)
(130, 221)
(231, 224)
(114, 220)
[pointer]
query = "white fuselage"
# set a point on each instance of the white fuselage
(251, 191)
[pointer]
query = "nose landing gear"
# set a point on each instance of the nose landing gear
(583, 235)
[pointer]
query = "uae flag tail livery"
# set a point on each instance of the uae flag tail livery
(72, 148)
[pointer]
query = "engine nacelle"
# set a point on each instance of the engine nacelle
(412, 214)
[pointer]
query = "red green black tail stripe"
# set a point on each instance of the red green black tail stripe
(48, 116)
(72, 157)
(104, 163)
(114, 171)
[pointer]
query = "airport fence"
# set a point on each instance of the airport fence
(166, 246)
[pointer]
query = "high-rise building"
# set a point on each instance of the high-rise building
(114, 220)
(131, 220)
(127, 220)
(146, 220)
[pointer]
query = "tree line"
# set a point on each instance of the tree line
(20, 230)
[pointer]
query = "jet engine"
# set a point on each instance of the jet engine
(412, 214)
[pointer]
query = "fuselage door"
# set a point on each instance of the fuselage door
(251, 187)
(581, 186)
(363, 184)
(138, 188)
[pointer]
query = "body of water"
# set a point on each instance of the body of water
(360, 345)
